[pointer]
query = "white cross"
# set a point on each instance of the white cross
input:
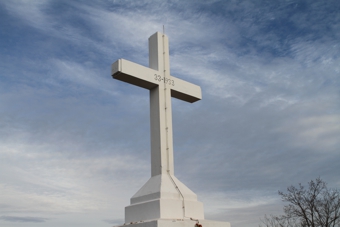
(162, 87)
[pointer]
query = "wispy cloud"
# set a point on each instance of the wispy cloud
(23, 219)
(315, 133)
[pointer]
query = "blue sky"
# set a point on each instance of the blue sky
(74, 143)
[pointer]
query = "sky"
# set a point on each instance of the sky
(75, 144)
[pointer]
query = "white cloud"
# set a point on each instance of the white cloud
(30, 12)
(316, 133)
(43, 179)
(81, 74)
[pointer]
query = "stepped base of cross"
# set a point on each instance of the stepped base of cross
(163, 197)
(164, 201)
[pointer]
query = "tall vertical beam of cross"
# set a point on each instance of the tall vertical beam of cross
(162, 87)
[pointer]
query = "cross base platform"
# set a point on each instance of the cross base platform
(176, 223)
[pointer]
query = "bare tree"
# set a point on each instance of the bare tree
(279, 221)
(315, 206)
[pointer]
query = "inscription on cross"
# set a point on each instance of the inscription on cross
(162, 87)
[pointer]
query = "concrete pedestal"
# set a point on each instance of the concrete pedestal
(163, 197)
